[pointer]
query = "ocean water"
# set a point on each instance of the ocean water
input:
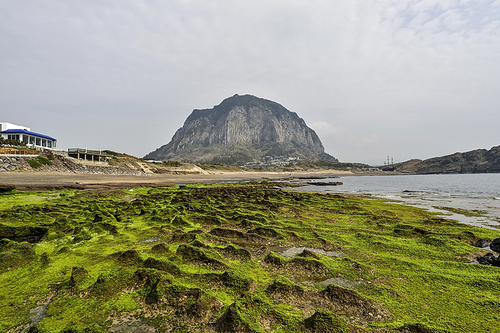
(480, 192)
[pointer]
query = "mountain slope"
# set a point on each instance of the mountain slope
(241, 129)
(475, 161)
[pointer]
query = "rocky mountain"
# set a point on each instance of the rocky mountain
(243, 128)
(475, 161)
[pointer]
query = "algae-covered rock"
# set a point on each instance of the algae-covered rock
(162, 265)
(323, 321)
(197, 256)
(129, 257)
(231, 321)
(78, 274)
(160, 248)
(20, 234)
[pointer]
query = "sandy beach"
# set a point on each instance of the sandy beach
(49, 180)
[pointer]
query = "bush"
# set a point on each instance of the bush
(172, 163)
(7, 142)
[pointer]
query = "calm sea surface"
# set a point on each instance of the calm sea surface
(479, 192)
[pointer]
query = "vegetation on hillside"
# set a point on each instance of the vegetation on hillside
(237, 258)
(10, 142)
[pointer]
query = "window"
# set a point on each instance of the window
(13, 137)
(38, 142)
(25, 138)
(49, 143)
(32, 139)
(54, 144)
(44, 143)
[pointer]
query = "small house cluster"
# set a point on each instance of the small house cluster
(24, 134)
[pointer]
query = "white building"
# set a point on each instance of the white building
(7, 126)
(22, 133)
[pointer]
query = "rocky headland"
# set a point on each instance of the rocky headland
(475, 161)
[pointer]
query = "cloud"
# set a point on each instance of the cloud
(377, 70)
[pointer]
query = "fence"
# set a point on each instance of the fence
(13, 151)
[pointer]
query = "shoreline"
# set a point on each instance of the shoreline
(51, 180)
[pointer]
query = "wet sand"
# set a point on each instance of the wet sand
(50, 180)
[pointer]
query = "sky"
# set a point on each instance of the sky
(374, 78)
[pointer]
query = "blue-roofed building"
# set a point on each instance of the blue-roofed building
(21, 133)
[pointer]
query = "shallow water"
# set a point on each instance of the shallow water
(466, 191)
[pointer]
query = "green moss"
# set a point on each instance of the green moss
(194, 255)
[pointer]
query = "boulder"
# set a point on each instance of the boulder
(481, 243)
(489, 259)
(495, 245)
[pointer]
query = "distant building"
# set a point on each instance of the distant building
(22, 133)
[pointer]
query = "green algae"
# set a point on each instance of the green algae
(199, 258)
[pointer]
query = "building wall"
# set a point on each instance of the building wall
(5, 126)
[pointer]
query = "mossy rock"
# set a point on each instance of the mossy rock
(266, 232)
(160, 248)
(232, 252)
(127, 258)
(78, 275)
(181, 221)
(162, 265)
(197, 256)
(231, 321)
(409, 231)
(323, 321)
(308, 254)
(227, 233)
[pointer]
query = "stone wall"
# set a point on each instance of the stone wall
(61, 164)
(11, 163)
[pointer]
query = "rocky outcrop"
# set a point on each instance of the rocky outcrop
(11, 163)
(475, 161)
(239, 130)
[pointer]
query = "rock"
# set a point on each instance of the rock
(495, 245)
(325, 183)
(489, 259)
(6, 188)
(482, 243)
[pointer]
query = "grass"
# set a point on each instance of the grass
(198, 258)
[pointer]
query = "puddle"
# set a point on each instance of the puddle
(291, 252)
(151, 240)
(36, 315)
(130, 325)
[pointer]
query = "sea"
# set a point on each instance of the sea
(472, 192)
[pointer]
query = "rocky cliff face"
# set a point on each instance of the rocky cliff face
(241, 129)
(475, 161)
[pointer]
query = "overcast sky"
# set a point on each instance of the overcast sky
(405, 78)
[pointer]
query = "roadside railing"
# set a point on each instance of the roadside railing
(13, 151)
